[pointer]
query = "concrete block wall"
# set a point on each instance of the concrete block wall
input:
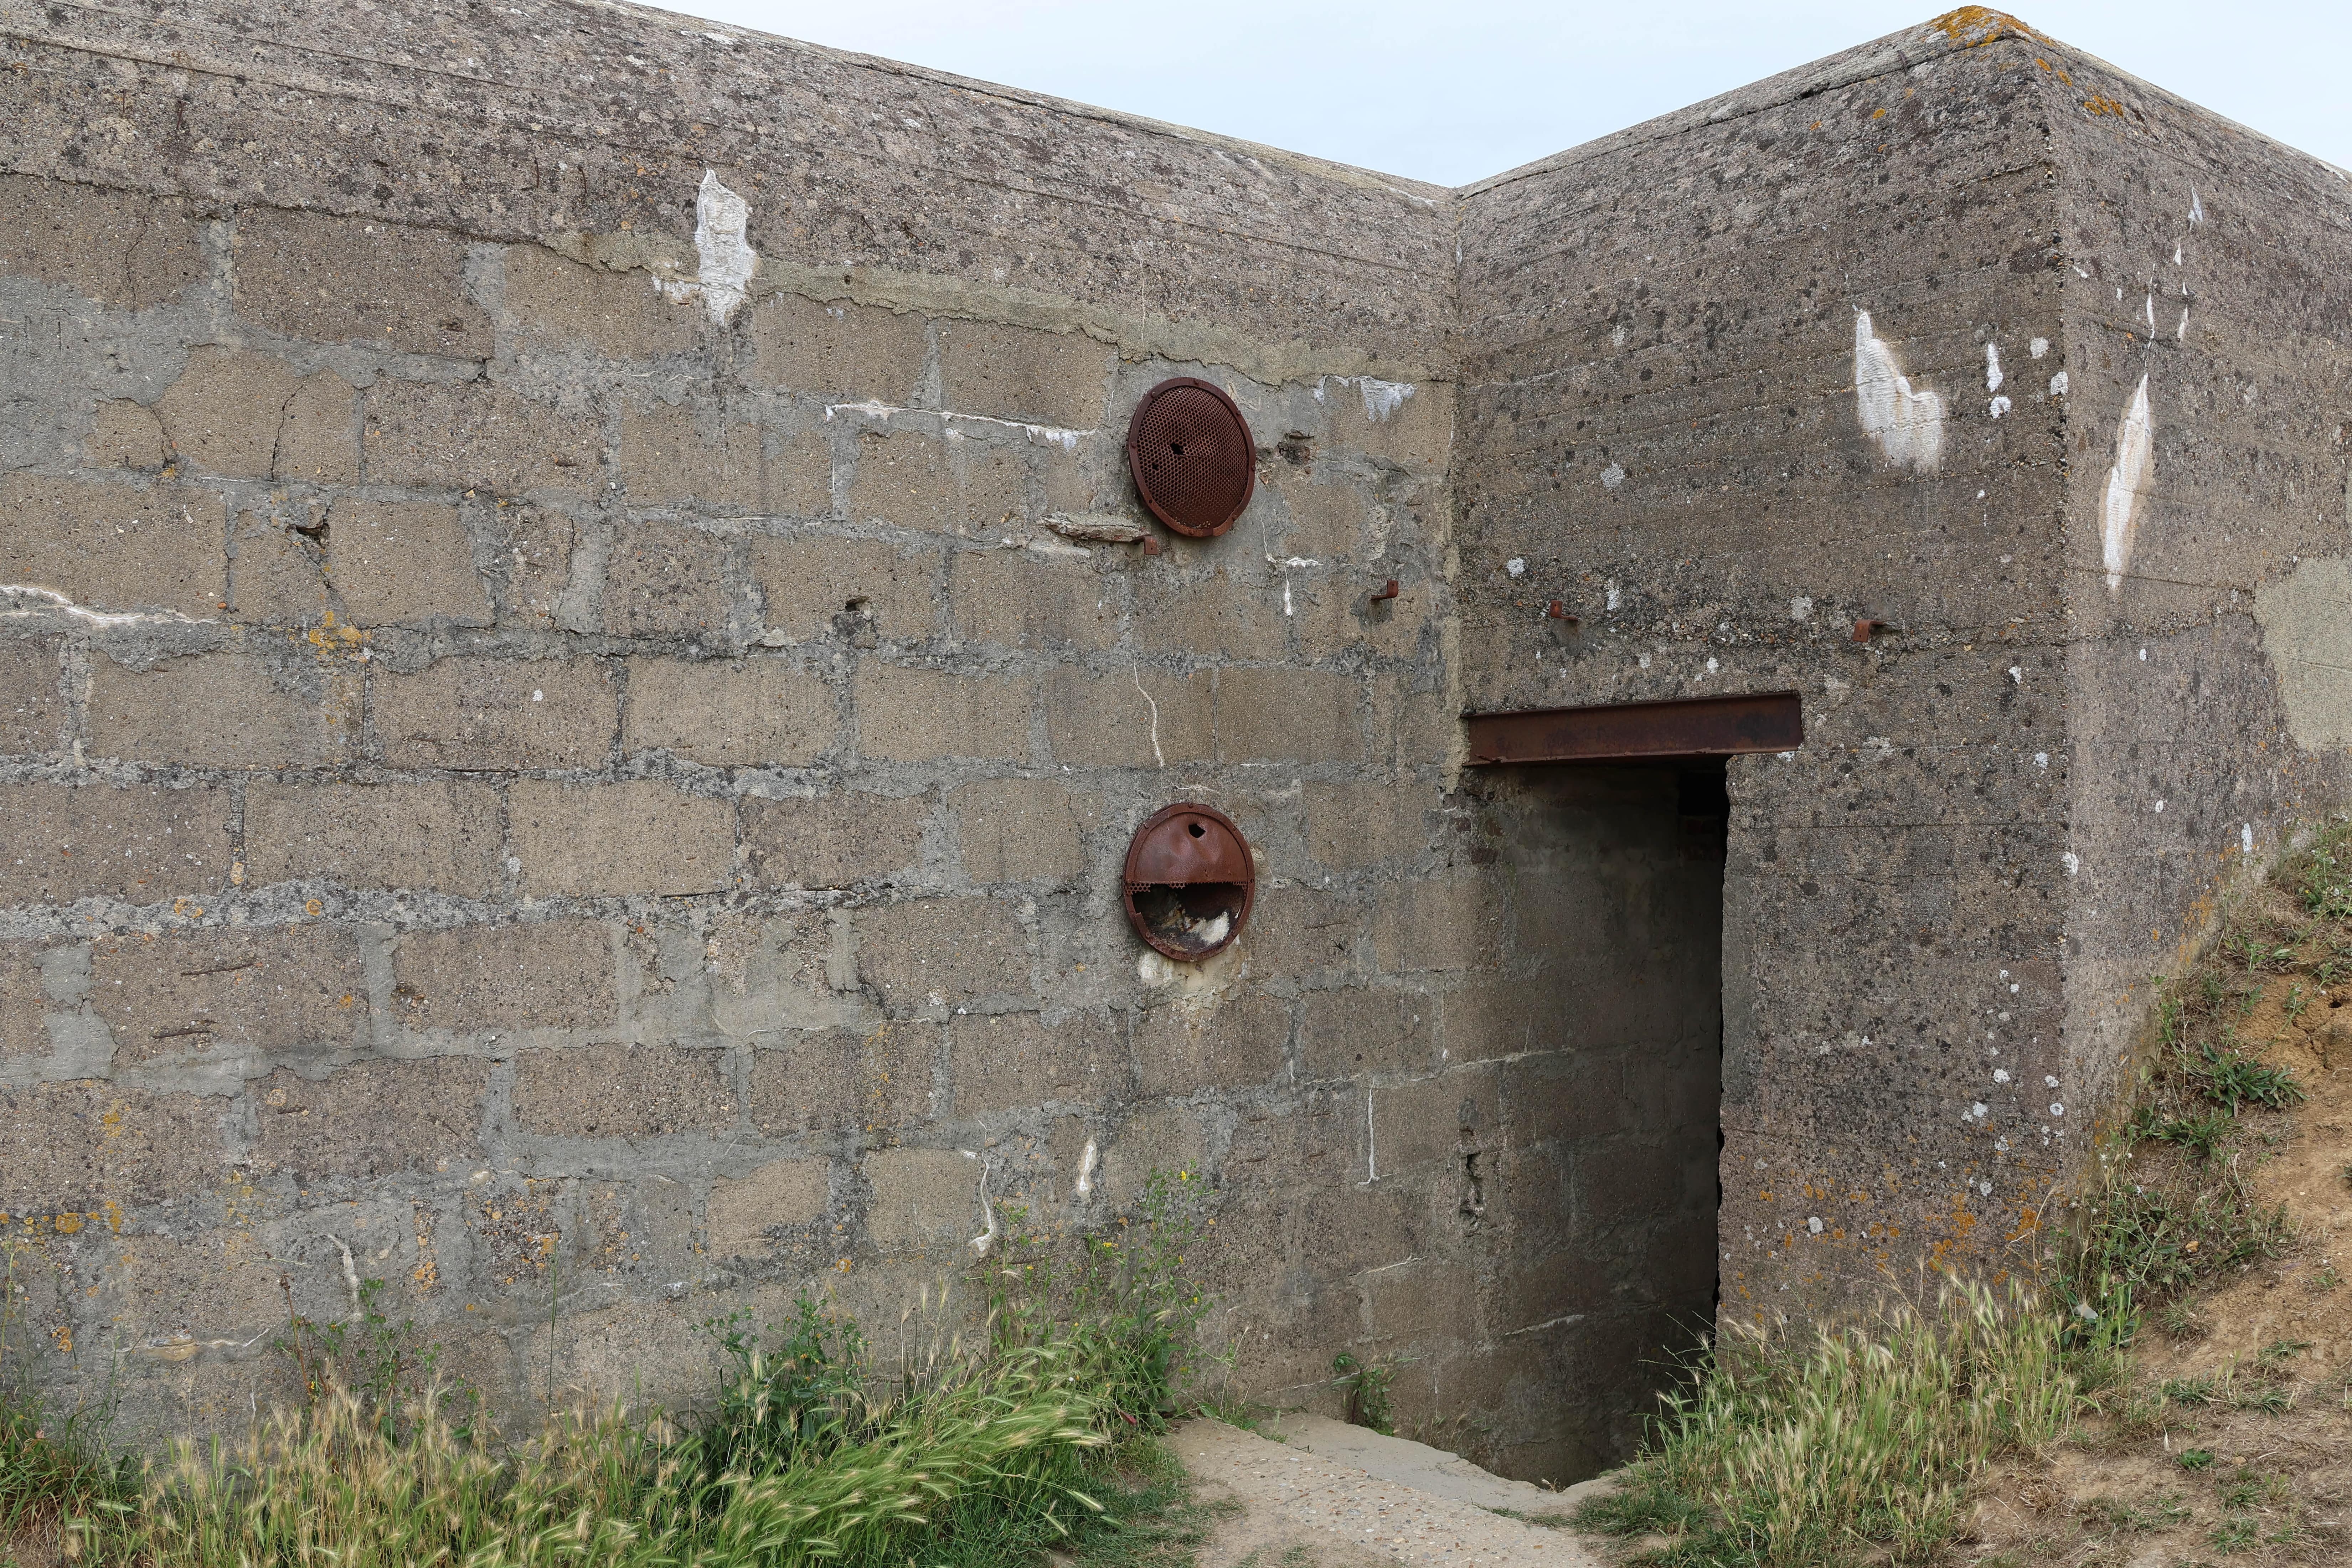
(601, 801)
(601, 810)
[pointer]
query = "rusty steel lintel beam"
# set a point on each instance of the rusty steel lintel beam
(1636, 731)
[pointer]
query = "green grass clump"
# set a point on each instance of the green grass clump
(2322, 874)
(53, 1463)
(50, 1468)
(2200, 1135)
(1367, 1388)
(2233, 1079)
(792, 1471)
(2160, 1512)
(2175, 1208)
(1031, 1434)
(2148, 1237)
(1794, 1451)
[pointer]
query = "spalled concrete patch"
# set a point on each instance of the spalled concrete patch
(2308, 638)
(1354, 1497)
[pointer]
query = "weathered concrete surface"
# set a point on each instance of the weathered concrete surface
(1845, 345)
(2209, 515)
(549, 736)
(1670, 429)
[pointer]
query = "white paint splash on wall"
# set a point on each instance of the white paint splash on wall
(1042, 435)
(2195, 206)
(350, 1274)
(2127, 487)
(2038, 347)
(1382, 398)
(721, 220)
(1156, 754)
(987, 1238)
(1992, 367)
(1907, 425)
(48, 601)
(1087, 1172)
(2058, 384)
(1611, 477)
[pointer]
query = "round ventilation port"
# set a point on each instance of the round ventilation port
(1189, 881)
(1191, 456)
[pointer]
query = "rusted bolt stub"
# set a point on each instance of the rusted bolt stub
(1189, 881)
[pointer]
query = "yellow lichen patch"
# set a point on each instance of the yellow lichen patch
(2098, 103)
(1973, 27)
(328, 637)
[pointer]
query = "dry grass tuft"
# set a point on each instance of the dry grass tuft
(1804, 1450)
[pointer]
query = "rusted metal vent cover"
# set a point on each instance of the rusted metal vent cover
(1189, 881)
(1191, 456)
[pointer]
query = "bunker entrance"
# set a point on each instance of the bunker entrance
(1610, 869)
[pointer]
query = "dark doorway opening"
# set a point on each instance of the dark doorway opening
(1605, 1213)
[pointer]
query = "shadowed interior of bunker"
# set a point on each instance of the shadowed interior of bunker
(1607, 1191)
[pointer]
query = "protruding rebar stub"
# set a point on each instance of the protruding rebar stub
(1189, 881)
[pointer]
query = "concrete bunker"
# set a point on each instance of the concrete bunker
(627, 625)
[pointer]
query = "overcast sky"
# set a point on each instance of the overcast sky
(1454, 90)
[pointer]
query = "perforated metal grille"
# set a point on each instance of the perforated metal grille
(1191, 456)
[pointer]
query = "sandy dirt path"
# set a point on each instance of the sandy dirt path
(1302, 1507)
